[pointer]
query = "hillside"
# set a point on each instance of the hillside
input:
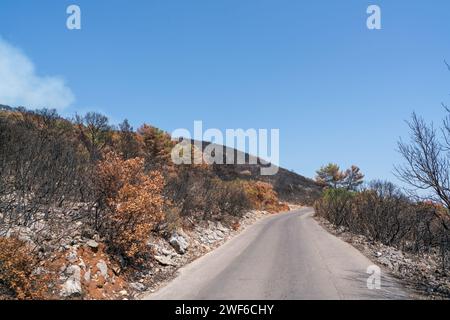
(290, 186)
(87, 208)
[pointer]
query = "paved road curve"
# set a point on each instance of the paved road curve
(287, 256)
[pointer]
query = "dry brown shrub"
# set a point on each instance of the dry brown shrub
(235, 225)
(18, 274)
(262, 197)
(133, 203)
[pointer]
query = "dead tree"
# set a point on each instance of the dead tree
(427, 164)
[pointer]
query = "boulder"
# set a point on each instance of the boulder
(179, 243)
(72, 286)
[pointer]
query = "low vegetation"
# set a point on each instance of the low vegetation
(382, 213)
(19, 276)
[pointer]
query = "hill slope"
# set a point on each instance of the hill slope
(290, 186)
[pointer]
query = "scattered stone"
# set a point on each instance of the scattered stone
(220, 227)
(103, 268)
(167, 252)
(165, 261)
(72, 257)
(87, 276)
(386, 262)
(92, 244)
(82, 264)
(22, 233)
(123, 292)
(38, 271)
(245, 173)
(116, 269)
(137, 286)
(179, 243)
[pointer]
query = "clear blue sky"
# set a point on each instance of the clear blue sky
(336, 90)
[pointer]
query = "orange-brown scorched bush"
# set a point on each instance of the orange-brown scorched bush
(134, 204)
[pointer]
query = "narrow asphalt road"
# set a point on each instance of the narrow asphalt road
(287, 256)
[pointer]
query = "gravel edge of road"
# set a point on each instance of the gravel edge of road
(371, 251)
